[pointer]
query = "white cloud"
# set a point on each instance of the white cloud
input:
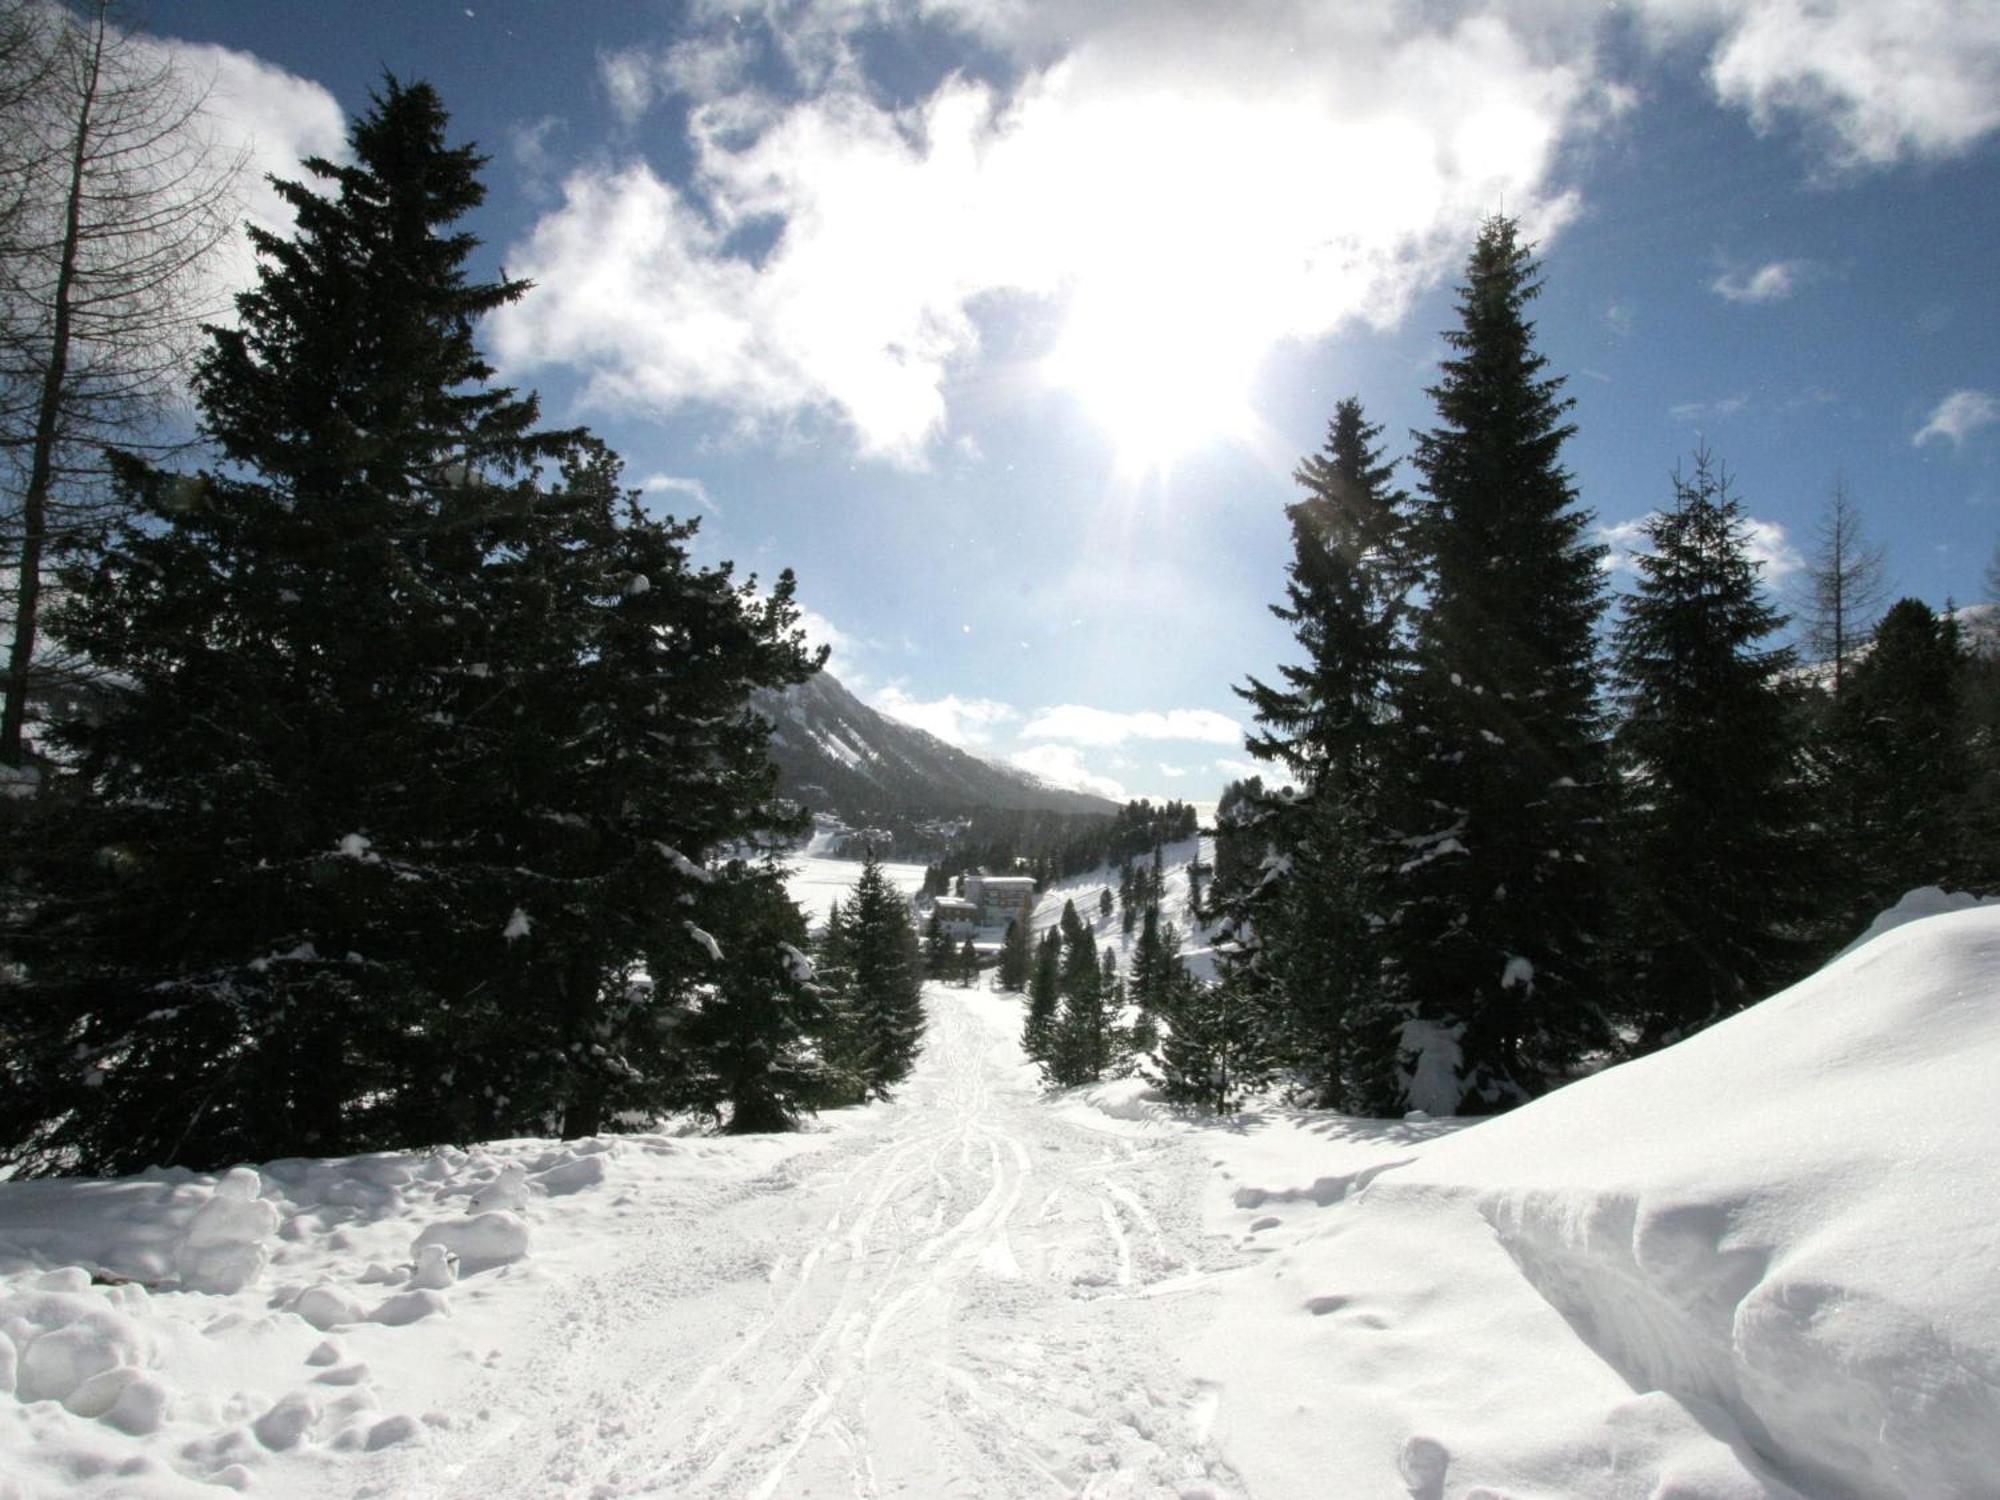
(1240, 770)
(1772, 282)
(1062, 765)
(1958, 416)
(820, 631)
(1625, 540)
(1708, 411)
(1155, 157)
(965, 722)
(270, 120)
(629, 82)
(654, 484)
(1175, 772)
(1880, 80)
(1096, 726)
(1766, 542)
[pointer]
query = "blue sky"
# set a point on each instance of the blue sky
(1004, 324)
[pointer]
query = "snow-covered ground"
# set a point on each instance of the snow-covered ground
(1765, 1263)
(816, 882)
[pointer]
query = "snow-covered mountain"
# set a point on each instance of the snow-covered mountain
(836, 754)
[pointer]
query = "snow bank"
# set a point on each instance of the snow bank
(1764, 1262)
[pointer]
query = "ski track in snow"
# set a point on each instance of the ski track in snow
(975, 1299)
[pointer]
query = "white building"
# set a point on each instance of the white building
(1001, 899)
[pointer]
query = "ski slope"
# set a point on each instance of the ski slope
(969, 1295)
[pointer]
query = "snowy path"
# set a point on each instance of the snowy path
(973, 1298)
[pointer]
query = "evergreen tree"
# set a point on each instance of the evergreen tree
(887, 987)
(1016, 957)
(968, 965)
(1900, 761)
(1719, 831)
(425, 736)
(754, 1035)
(1044, 999)
(1080, 1046)
(1330, 727)
(1495, 935)
(1213, 1052)
(1154, 959)
(939, 955)
(1104, 904)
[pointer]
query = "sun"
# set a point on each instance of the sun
(1164, 373)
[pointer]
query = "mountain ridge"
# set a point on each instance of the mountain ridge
(836, 754)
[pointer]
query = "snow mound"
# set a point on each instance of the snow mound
(1925, 901)
(480, 1241)
(1788, 1218)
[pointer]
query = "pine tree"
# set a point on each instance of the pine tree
(1213, 1053)
(887, 986)
(753, 1038)
(1331, 729)
(1044, 999)
(1016, 957)
(1104, 904)
(939, 955)
(425, 737)
(1496, 932)
(1719, 832)
(968, 965)
(1899, 757)
(1080, 1047)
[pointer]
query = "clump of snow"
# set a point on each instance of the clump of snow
(1925, 901)
(1430, 1080)
(519, 925)
(708, 943)
(479, 1241)
(328, 1306)
(1518, 973)
(225, 1249)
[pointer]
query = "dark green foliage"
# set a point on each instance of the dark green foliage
(1496, 932)
(426, 733)
(938, 953)
(1331, 729)
(1718, 833)
(752, 1036)
(1017, 959)
(1044, 999)
(882, 1005)
(1900, 760)
(1214, 1051)
(968, 965)
(1080, 1046)
(1104, 903)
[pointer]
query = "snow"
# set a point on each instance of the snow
(519, 925)
(1760, 1265)
(816, 882)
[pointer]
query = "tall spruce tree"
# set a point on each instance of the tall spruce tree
(1330, 728)
(1496, 933)
(887, 999)
(425, 738)
(1719, 829)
